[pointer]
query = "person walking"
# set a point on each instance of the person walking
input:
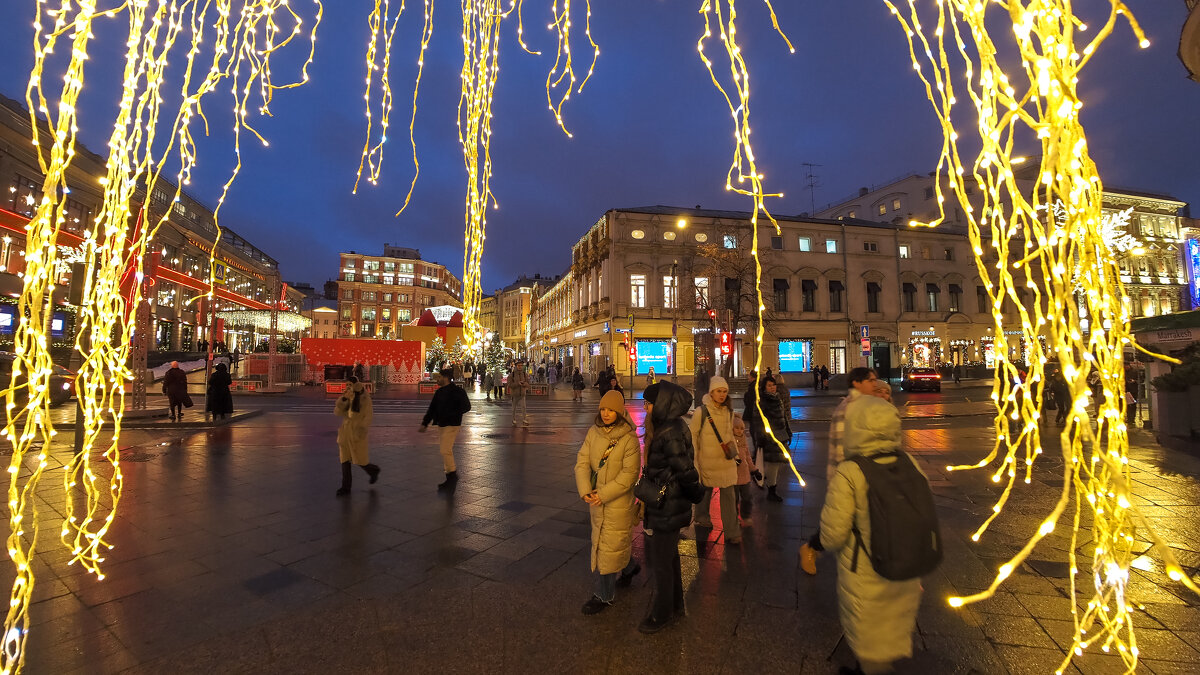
(1061, 393)
(174, 385)
(446, 410)
(752, 419)
(862, 381)
(360, 373)
(716, 458)
(355, 409)
(773, 454)
(518, 388)
(670, 472)
(746, 470)
(605, 470)
(825, 378)
(552, 376)
(218, 402)
(650, 377)
(615, 385)
(577, 385)
(877, 614)
(498, 381)
(816, 373)
(487, 384)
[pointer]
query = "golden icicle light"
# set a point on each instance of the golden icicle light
(1038, 233)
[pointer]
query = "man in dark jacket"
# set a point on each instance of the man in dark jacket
(174, 385)
(773, 456)
(669, 462)
(446, 410)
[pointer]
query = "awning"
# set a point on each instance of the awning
(910, 288)
(780, 284)
(873, 287)
(836, 286)
(932, 288)
(955, 289)
(808, 285)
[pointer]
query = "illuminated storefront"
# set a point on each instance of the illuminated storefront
(924, 349)
(795, 356)
(654, 354)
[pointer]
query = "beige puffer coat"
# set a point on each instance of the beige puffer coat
(613, 520)
(714, 469)
(878, 615)
(352, 435)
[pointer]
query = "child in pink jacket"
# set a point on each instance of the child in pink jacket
(745, 470)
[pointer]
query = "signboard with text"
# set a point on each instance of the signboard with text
(795, 356)
(1193, 264)
(654, 354)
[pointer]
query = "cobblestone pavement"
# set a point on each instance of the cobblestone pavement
(233, 555)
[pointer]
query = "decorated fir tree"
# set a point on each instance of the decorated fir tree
(435, 354)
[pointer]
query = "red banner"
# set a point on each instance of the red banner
(403, 360)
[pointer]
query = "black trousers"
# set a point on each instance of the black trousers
(662, 552)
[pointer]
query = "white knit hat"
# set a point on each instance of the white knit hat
(717, 382)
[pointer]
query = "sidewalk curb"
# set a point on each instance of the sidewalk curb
(143, 422)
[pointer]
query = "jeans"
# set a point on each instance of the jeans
(771, 473)
(606, 584)
(729, 519)
(519, 401)
(662, 553)
(744, 500)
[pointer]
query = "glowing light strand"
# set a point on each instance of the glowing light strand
(724, 14)
(1032, 251)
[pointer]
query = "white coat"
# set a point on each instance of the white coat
(878, 615)
(352, 435)
(613, 520)
(714, 469)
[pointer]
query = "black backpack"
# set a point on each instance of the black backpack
(906, 542)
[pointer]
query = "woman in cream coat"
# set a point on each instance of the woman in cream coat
(715, 470)
(605, 471)
(354, 407)
(878, 615)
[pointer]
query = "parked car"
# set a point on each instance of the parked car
(62, 381)
(921, 379)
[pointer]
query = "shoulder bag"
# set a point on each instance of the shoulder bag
(603, 459)
(650, 492)
(728, 447)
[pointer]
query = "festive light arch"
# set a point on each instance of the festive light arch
(231, 43)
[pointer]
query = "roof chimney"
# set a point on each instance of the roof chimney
(862, 192)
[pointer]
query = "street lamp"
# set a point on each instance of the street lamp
(681, 223)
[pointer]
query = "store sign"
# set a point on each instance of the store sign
(553, 340)
(1193, 262)
(606, 327)
(581, 333)
(795, 356)
(654, 354)
(923, 333)
(1175, 335)
(866, 346)
(864, 332)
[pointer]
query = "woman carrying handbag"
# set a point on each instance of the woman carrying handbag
(669, 487)
(717, 458)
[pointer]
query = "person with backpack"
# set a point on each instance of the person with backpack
(716, 458)
(605, 470)
(879, 517)
(354, 407)
(446, 410)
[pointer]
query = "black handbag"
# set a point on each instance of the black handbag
(650, 492)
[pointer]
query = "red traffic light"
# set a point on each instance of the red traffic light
(726, 347)
(712, 314)
(632, 353)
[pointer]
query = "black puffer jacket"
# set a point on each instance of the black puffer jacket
(670, 459)
(774, 415)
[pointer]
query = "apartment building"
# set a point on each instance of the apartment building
(379, 293)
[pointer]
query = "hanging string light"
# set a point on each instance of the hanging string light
(748, 180)
(1023, 249)
(563, 58)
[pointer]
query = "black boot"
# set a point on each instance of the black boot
(772, 495)
(372, 471)
(450, 482)
(346, 478)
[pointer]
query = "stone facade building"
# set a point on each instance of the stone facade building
(379, 293)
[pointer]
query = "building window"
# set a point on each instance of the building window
(79, 216)
(25, 195)
(348, 276)
(669, 235)
(908, 293)
(729, 240)
(637, 290)
(931, 295)
(702, 292)
(347, 313)
(836, 289)
(389, 267)
(669, 291)
(386, 314)
(924, 253)
(871, 246)
(904, 251)
(733, 293)
(831, 245)
(777, 243)
(701, 237)
(837, 356)
(389, 280)
(368, 330)
(805, 244)
(368, 296)
(780, 286)
(883, 209)
(928, 193)
(873, 291)
(637, 234)
(404, 315)
(853, 214)
(955, 298)
(348, 295)
(948, 253)
(981, 297)
(387, 297)
(370, 278)
(895, 204)
(808, 294)
(368, 314)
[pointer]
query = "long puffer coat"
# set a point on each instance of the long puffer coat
(670, 460)
(878, 615)
(773, 415)
(352, 435)
(714, 469)
(613, 520)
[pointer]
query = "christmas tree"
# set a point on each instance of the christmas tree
(435, 354)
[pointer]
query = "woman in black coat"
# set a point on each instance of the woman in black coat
(219, 401)
(773, 456)
(670, 462)
(174, 385)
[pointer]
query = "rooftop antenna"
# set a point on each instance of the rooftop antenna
(812, 183)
